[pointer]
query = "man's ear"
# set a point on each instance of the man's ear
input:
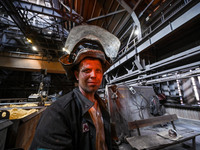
(76, 74)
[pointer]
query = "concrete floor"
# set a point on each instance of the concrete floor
(187, 123)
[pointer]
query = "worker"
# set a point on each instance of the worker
(78, 120)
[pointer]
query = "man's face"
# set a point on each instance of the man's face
(90, 75)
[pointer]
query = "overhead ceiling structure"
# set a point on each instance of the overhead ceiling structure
(158, 37)
(45, 24)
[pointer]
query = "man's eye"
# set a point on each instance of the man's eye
(86, 70)
(99, 71)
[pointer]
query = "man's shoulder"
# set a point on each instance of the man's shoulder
(66, 98)
(64, 101)
(63, 105)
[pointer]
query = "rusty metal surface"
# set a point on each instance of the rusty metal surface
(21, 133)
(127, 104)
(4, 124)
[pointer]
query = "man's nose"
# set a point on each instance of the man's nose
(93, 73)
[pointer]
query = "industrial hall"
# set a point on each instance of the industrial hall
(99, 74)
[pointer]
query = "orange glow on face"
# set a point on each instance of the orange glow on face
(90, 75)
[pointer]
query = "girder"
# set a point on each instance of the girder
(51, 12)
(14, 14)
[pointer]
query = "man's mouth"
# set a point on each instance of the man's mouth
(93, 83)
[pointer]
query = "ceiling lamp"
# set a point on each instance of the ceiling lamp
(29, 40)
(34, 48)
(136, 32)
(49, 32)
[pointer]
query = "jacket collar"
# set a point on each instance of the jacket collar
(85, 103)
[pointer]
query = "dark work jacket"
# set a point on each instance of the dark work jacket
(67, 125)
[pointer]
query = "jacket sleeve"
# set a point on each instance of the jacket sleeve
(52, 131)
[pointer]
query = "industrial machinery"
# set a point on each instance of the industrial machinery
(41, 96)
(129, 103)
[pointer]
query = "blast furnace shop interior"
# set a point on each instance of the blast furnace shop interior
(151, 89)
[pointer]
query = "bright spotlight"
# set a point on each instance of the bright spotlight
(136, 32)
(49, 32)
(29, 40)
(34, 48)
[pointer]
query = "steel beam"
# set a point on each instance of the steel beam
(107, 15)
(26, 6)
(14, 14)
(31, 65)
(176, 58)
(185, 75)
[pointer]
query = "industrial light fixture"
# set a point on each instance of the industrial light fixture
(49, 32)
(136, 32)
(29, 40)
(34, 48)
